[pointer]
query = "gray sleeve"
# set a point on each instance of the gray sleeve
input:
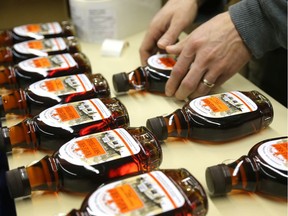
(262, 24)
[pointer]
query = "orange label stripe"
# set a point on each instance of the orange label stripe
(123, 140)
(82, 84)
(98, 110)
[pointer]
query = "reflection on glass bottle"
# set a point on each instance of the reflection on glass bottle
(264, 170)
(31, 70)
(60, 123)
(159, 192)
(38, 48)
(51, 91)
(84, 163)
(36, 31)
(150, 78)
(216, 118)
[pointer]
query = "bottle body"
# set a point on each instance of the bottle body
(60, 123)
(216, 118)
(84, 163)
(159, 192)
(263, 170)
(31, 70)
(151, 78)
(51, 91)
(37, 48)
(36, 31)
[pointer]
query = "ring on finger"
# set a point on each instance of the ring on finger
(207, 83)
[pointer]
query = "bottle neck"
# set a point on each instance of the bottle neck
(23, 135)
(100, 84)
(43, 175)
(6, 38)
(7, 76)
(14, 102)
(243, 174)
(6, 55)
(176, 124)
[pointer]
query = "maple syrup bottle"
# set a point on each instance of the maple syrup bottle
(36, 31)
(31, 70)
(264, 171)
(158, 192)
(216, 118)
(38, 48)
(84, 163)
(51, 91)
(60, 123)
(150, 78)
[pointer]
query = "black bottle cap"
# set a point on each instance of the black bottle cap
(18, 182)
(158, 127)
(120, 82)
(218, 180)
(5, 144)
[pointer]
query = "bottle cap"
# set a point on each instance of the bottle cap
(120, 82)
(218, 180)
(18, 182)
(5, 144)
(158, 127)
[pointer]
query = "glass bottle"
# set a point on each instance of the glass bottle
(152, 77)
(216, 118)
(36, 31)
(31, 70)
(85, 162)
(38, 48)
(60, 123)
(264, 171)
(158, 192)
(51, 91)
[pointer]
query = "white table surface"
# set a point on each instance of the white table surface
(176, 153)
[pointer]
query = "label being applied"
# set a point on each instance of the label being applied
(147, 194)
(223, 105)
(162, 62)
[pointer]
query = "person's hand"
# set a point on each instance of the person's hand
(166, 26)
(209, 56)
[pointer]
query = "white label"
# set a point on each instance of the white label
(275, 153)
(75, 113)
(40, 47)
(55, 87)
(38, 31)
(162, 61)
(147, 194)
(223, 105)
(43, 65)
(99, 148)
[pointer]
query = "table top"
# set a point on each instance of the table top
(193, 156)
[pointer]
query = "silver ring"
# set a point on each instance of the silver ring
(207, 83)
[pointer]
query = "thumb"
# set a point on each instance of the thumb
(176, 48)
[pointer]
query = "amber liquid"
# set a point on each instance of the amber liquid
(187, 123)
(79, 179)
(25, 78)
(72, 46)
(34, 133)
(149, 80)
(27, 102)
(196, 202)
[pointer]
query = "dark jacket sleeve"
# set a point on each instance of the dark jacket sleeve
(262, 24)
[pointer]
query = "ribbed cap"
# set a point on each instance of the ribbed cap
(120, 82)
(218, 180)
(18, 182)
(5, 144)
(158, 127)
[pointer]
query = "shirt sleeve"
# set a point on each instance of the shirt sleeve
(262, 24)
